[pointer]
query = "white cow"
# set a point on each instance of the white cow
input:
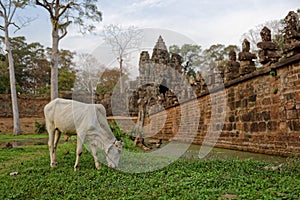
(89, 122)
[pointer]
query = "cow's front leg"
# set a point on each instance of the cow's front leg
(78, 152)
(95, 155)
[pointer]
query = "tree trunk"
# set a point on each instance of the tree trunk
(121, 76)
(54, 62)
(14, 97)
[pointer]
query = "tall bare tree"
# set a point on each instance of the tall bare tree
(8, 9)
(122, 41)
(63, 13)
(88, 72)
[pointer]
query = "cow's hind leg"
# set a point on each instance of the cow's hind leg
(56, 139)
(51, 142)
(51, 147)
(78, 152)
(95, 155)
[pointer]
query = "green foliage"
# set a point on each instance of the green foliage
(4, 79)
(121, 136)
(66, 79)
(273, 72)
(247, 179)
(191, 55)
(2, 57)
(40, 127)
(108, 81)
(32, 68)
(196, 59)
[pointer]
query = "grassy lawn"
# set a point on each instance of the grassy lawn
(216, 179)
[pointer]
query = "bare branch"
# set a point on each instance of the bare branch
(4, 10)
(48, 6)
(23, 22)
(65, 8)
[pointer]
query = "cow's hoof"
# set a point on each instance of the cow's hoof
(97, 165)
(53, 164)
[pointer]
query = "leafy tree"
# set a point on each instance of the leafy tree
(66, 79)
(215, 54)
(122, 41)
(108, 80)
(31, 65)
(62, 13)
(4, 77)
(191, 56)
(67, 75)
(7, 11)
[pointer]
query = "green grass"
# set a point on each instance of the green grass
(180, 180)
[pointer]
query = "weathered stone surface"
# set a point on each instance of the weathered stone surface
(246, 59)
(231, 70)
(267, 45)
(262, 127)
(291, 44)
(269, 51)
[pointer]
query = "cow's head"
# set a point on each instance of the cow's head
(113, 154)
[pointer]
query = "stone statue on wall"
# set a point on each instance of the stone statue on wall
(291, 35)
(268, 52)
(231, 70)
(246, 58)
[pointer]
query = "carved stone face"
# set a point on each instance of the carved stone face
(176, 59)
(232, 55)
(291, 20)
(246, 46)
(265, 34)
(144, 56)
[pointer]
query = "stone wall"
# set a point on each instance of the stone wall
(261, 114)
(29, 106)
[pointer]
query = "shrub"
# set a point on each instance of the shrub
(122, 136)
(40, 127)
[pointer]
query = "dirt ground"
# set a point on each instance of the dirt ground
(27, 124)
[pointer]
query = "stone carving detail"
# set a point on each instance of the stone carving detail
(158, 78)
(232, 67)
(268, 52)
(247, 64)
(160, 53)
(291, 35)
(176, 62)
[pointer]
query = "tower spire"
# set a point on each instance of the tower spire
(160, 44)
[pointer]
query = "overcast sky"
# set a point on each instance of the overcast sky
(206, 22)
